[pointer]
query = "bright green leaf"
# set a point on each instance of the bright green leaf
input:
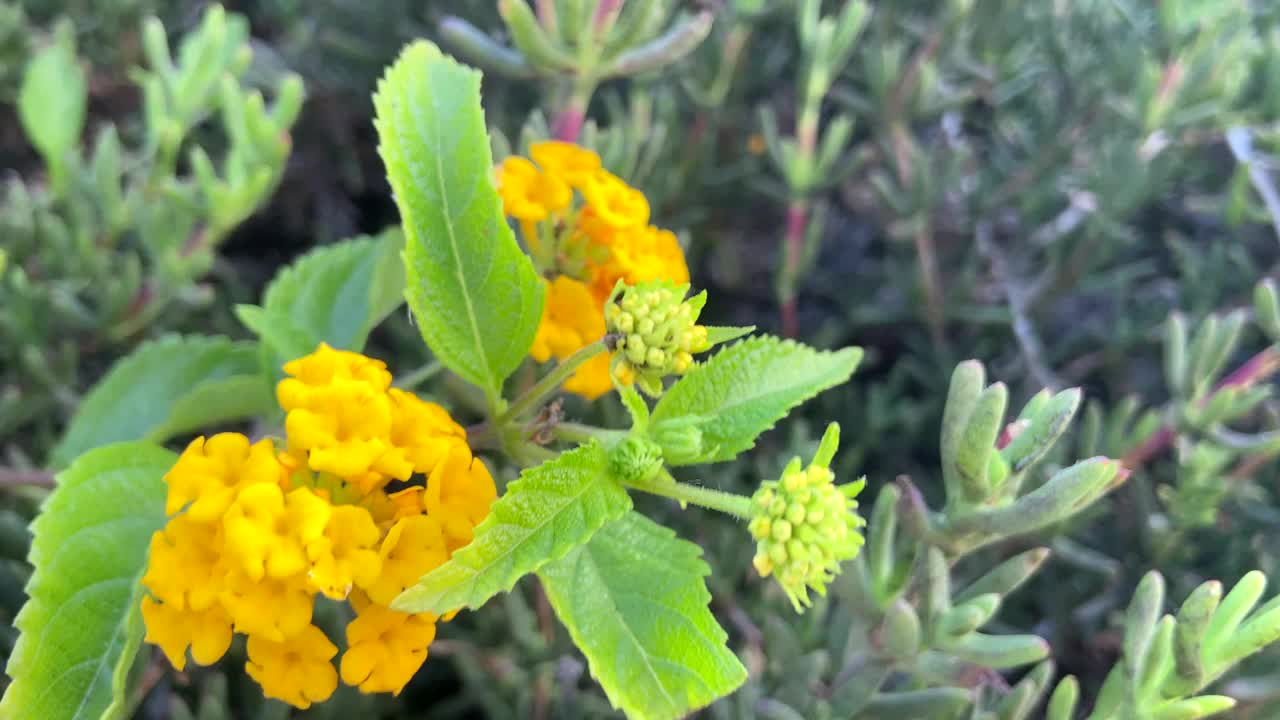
(167, 387)
(635, 602)
(548, 511)
(474, 294)
(335, 294)
(81, 627)
(746, 388)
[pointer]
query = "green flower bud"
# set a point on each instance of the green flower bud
(635, 459)
(805, 525)
(658, 332)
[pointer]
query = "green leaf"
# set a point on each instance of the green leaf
(335, 294)
(634, 601)
(52, 100)
(81, 627)
(747, 387)
(548, 511)
(167, 387)
(475, 295)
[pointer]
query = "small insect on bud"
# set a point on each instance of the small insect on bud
(805, 525)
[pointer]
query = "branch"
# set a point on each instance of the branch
(19, 478)
(1254, 370)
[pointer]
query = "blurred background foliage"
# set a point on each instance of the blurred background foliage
(1038, 185)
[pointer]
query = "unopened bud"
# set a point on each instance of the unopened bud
(805, 526)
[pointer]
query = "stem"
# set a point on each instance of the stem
(19, 478)
(729, 503)
(1254, 370)
(568, 121)
(579, 433)
(797, 222)
(417, 377)
(549, 384)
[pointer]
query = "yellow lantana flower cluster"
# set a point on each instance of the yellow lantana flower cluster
(255, 531)
(586, 229)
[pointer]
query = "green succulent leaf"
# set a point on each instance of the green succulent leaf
(635, 602)
(167, 387)
(548, 511)
(81, 627)
(335, 294)
(52, 102)
(476, 297)
(747, 387)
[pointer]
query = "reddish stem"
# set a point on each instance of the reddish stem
(1254, 370)
(568, 123)
(797, 221)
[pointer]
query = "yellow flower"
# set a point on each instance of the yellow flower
(345, 553)
(528, 194)
(267, 532)
(422, 432)
(271, 608)
(340, 414)
(618, 204)
(575, 165)
(592, 379)
(414, 546)
(459, 493)
(571, 319)
(185, 569)
(210, 472)
(207, 632)
(648, 254)
(298, 670)
(385, 647)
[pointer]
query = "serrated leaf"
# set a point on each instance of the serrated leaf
(335, 294)
(166, 387)
(474, 294)
(80, 629)
(548, 511)
(635, 602)
(719, 334)
(747, 387)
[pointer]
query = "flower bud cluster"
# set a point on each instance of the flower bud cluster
(658, 332)
(805, 526)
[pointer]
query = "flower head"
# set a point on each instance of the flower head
(459, 493)
(186, 568)
(297, 670)
(210, 473)
(207, 632)
(530, 194)
(805, 526)
(601, 238)
(385, 647)
(267, 532)
(254, 534)
(573, 164)
(414, 546)
(346, 553)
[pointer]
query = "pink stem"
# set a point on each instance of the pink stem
(1254, 369)
(797, 219)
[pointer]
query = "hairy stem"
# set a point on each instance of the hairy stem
(414, 378)
(729, 503)
(548, 385)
